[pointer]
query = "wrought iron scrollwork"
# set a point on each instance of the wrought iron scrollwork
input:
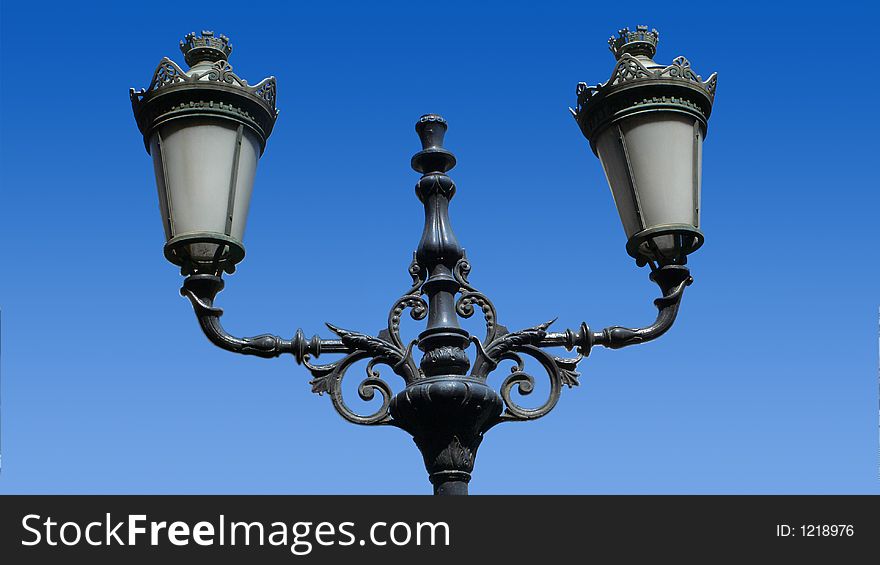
(509, 346)
(500, 345)
(471, 297)
(386, 349)
(525, 384)
(266, 90)
(446, 409)
(629, 69)
(221, 71)
(166, 73)
(328, 378)
(412, 299)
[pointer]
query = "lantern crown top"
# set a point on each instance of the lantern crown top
(208, 89)
(639, 85)
(638, 42)
(205, 47)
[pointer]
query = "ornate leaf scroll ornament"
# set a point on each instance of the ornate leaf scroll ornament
(711, 83)
(166, 73)
(510, 347)
(680, 68)
(321, 373)
(464, 307)
(373, 346)
(386, 349)
(584, 93)
(461, 271)
(568, 370)
(488, 356)
(515, 340)
(470, 297)
(328, 378)
(418, 311)
(381, 352)
(418, 276)
(221, 71)
(266, 90)
(525, 384)
(413, 300)
(628, 68)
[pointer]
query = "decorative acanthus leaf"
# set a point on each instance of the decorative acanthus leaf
(372, 345)
(320, 385)
(568, 370)
(508, 342)
(323, 375)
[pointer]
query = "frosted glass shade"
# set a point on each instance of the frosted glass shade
(653, 164)
(205, 171)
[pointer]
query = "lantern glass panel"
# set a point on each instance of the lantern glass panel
(652, 163)
(197, 163)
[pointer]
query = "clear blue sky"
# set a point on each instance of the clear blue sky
(767, 383)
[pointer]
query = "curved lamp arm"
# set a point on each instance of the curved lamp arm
(672, 280)
(201, 291)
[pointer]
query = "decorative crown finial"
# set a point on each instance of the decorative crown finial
(205, 47)
(638, 42)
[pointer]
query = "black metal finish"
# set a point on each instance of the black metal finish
(445, 407)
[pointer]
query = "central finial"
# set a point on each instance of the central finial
(638, 42)
(205, 47)
(431, 129)
(433, 157)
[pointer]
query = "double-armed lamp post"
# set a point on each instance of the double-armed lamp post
(206, 128)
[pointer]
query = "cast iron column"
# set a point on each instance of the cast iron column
(446, 412)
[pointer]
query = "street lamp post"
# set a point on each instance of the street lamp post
(206, 128)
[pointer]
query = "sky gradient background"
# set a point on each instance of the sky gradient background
(768, 383)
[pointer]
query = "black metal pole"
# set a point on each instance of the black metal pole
(446, 412)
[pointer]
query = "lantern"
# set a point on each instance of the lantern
(647, 124)
(205, 129)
